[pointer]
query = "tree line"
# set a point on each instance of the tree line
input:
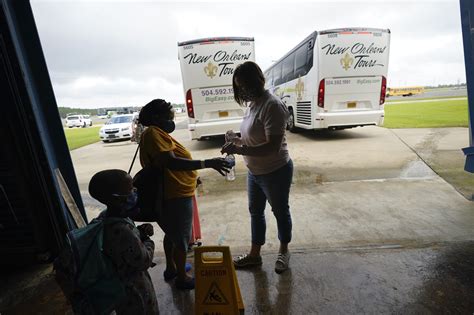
(64, 111)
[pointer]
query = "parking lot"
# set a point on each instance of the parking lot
(376, 229)
(366, 186)
(367, 189)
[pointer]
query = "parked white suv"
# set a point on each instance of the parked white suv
(118, 127)
(78, 121)
(88, 119)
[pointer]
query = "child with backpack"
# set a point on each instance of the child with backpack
(108, 259)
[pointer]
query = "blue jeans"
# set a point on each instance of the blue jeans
(274, 187)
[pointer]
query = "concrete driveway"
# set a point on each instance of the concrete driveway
(376, 229)
(368, 186)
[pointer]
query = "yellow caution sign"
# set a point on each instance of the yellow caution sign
(217, 291)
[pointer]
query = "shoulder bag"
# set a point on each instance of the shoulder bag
(149, 182)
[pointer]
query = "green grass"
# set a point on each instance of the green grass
(390, 101)
(79, 137)
(442, 113)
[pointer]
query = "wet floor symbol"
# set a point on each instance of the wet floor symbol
(215, 296)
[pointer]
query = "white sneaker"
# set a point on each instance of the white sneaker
(247, 261)
(282, 262)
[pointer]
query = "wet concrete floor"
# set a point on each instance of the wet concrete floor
(438, 279)
(376, 231)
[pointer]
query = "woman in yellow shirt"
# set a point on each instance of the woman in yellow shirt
(160, 149)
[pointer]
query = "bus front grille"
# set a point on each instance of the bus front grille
(303, 113)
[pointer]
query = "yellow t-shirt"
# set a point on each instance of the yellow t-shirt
(154, 143)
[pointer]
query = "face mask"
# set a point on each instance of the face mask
(130, 206)
(248, 95)
(132, 199)
(167, 125)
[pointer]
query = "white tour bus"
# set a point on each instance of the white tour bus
(334, 79)
(207, 66)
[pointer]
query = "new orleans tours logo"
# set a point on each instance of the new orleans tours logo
(363, 56)
(225, 62)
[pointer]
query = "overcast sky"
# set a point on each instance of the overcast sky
(124, 53)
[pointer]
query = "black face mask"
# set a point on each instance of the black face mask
(166, 125)
(249, 95)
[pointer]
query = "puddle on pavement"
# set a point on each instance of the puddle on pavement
(417, 169)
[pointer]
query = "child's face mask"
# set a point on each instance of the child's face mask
(131, 201)
(129, 206)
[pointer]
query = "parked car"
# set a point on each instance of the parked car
(88, 118)
(78, 121)
(118, 127)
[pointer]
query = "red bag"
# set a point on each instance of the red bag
(196, 228)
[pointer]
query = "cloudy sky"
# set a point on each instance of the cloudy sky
(121, 53)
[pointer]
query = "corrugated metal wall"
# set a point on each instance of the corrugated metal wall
(467, 22)
(33, 216)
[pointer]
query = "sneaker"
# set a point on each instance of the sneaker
(170, 275)
(187, 284)
(282, 262)
(247, 261)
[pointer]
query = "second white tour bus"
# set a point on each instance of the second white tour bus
(334, 79)
(207, 67)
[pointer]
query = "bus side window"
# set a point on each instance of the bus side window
(277, 75)
(268, 78)
(301, 58)
(288, 70)
(309, 63)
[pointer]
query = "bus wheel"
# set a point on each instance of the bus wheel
(290, 124)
